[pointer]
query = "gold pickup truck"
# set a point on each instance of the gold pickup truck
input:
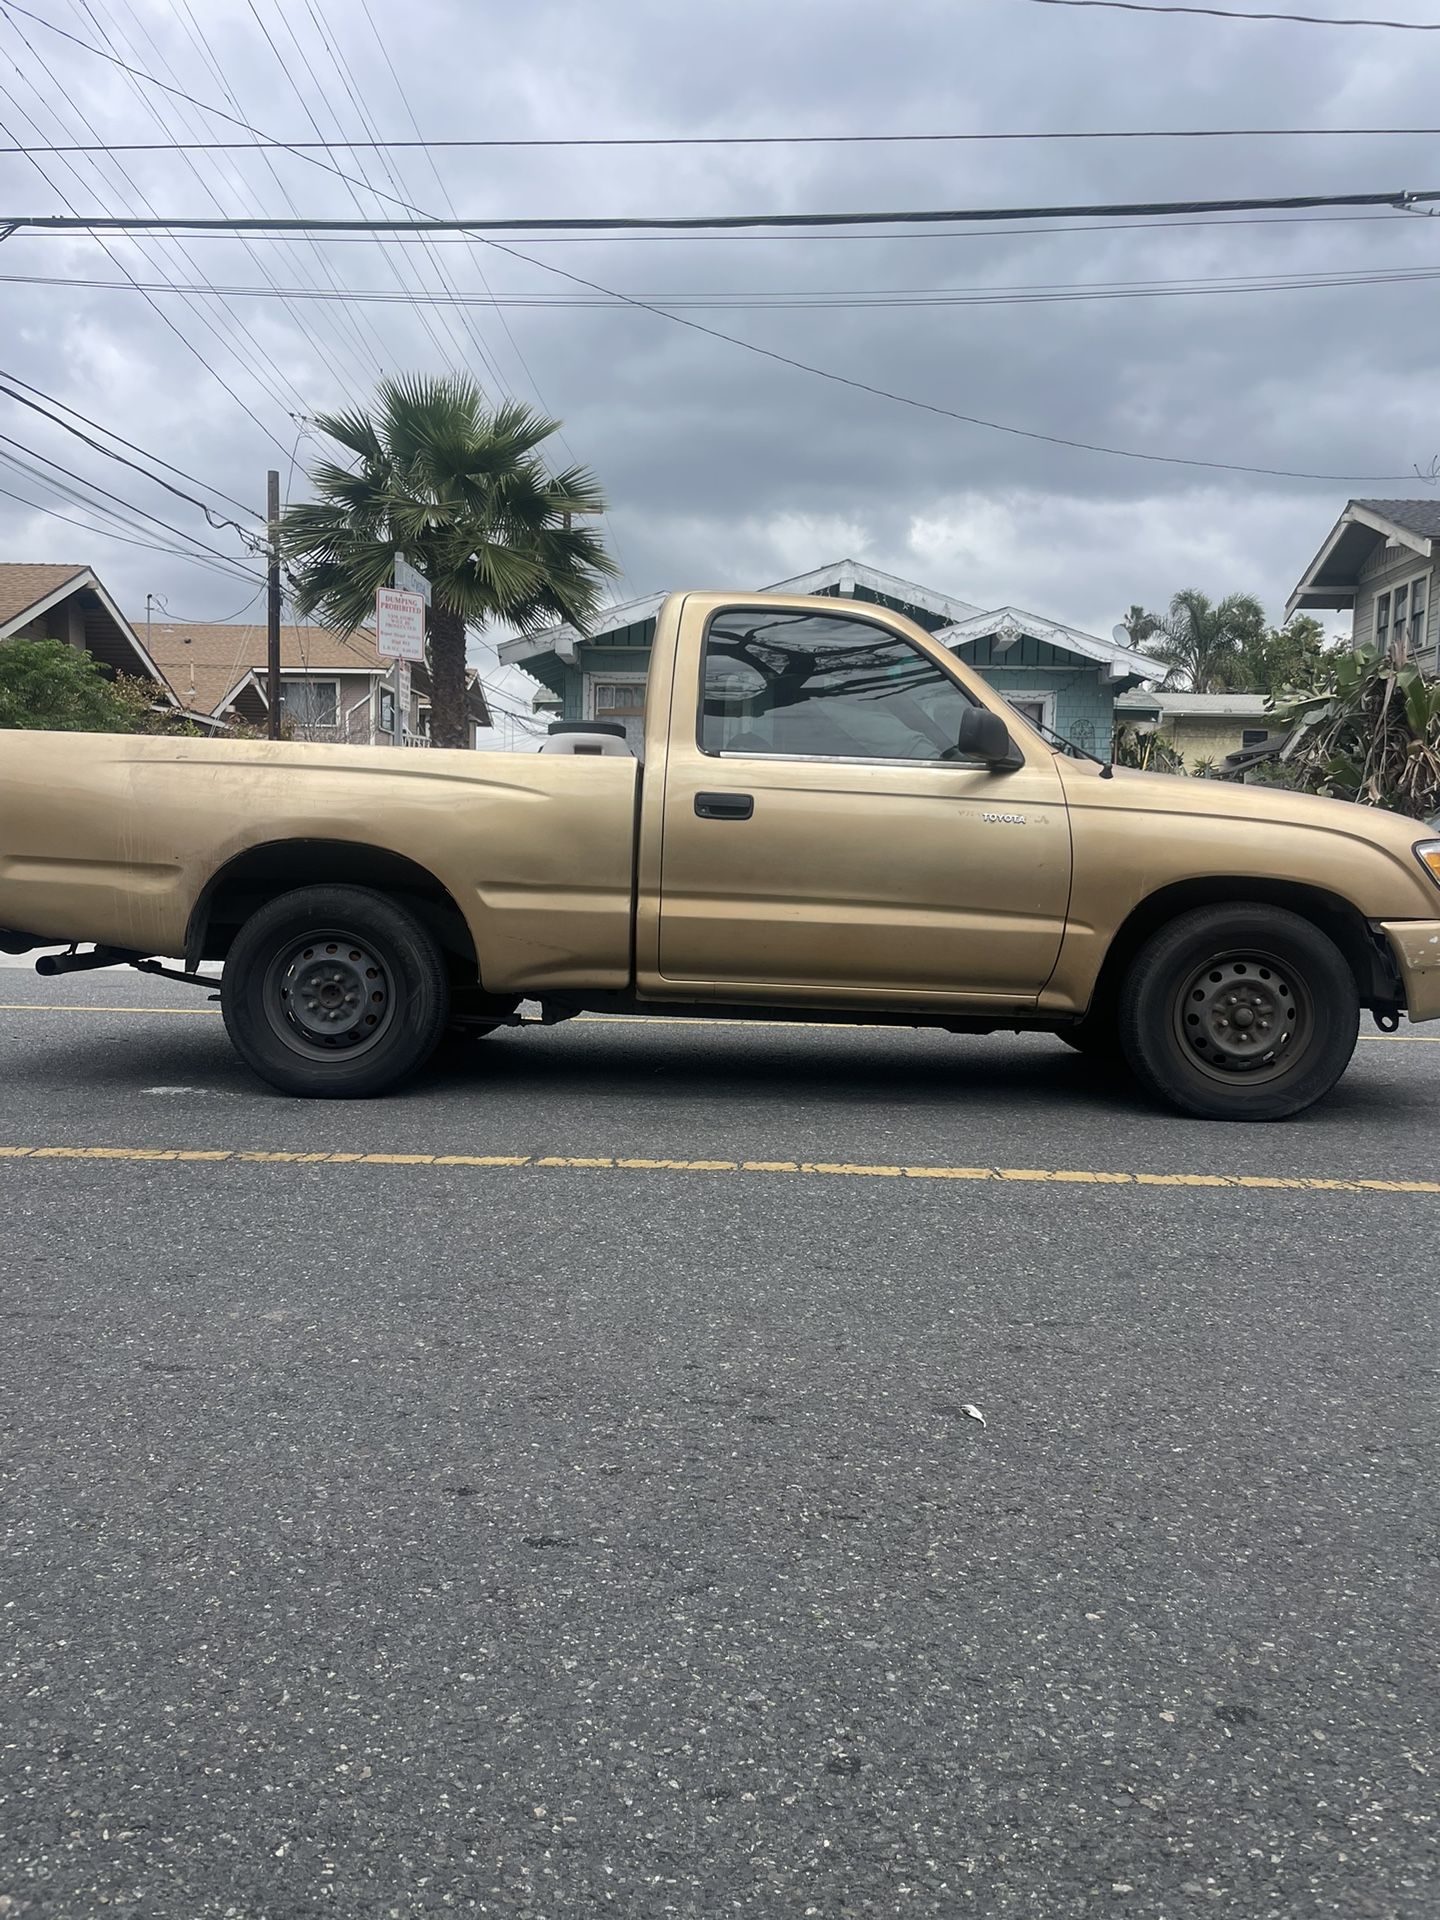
(830, 818)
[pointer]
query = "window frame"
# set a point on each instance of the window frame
(623, 679)
(1043, 697)
(844, 611)
(1381, 629)
(1415, 642)
(311, 684)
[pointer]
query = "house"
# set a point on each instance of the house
(334, 687)
(1052, 673)
(1200, 726)
(44, 601)
(1380, 561)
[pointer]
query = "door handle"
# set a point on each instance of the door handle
(724, 806)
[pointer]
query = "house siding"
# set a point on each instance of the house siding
(1388, 567)
(1211, 737)
(1084, 701)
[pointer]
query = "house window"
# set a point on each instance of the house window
(622, 702)
(1417, 613)
(1037, 708)
(824, 686)
(1254, 736)
(311, 703)
(1382, 622)
(1399, 609)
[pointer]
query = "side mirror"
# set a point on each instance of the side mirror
(985, 736)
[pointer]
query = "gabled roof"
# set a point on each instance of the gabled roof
(1415, 516)
(207, 662)
(849, 579)
(1330, 579)
(564, 639)
(1006, 625)
(844, 576)
(839, 577)
(210, 665)
(29, 590)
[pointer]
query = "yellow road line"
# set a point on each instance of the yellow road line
(44, 1006)
(608, 1163)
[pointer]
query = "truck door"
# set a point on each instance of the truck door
(821, 836)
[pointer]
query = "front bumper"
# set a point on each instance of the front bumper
(1416, 947)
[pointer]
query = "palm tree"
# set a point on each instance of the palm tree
(461, 493)
(1200, 643)
(1140, 625)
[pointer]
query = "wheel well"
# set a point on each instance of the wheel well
(1369, 958)
(252, 878)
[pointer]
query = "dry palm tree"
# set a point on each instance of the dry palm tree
(461, 492)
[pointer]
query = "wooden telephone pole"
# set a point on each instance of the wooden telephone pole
(272, 607)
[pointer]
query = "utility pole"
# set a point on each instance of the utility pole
(272, 606)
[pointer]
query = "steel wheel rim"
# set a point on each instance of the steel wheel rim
(1244, 1017)
(329, 995)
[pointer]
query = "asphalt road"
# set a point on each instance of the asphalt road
(467, 1528)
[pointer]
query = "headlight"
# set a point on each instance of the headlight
(1427, 852)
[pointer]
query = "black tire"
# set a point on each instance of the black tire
(1239, 1013)
(334, 993)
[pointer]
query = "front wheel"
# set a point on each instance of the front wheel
(1239, 1013)
(334, 993)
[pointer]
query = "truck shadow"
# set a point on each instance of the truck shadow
(612, 1065)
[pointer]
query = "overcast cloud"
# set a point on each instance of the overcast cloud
(723, 468)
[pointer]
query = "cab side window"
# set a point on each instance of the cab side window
(823, 685)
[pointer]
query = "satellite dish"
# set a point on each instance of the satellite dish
(1120, 634)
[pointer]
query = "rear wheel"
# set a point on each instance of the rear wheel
(334, 993)
(1239, 1013)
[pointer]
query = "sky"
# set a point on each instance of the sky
(723, 468)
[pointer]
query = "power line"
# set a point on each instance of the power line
(226, 177)
(111, 434)
(1393, 218)
(1399, 198)
(107, 533)
(802, 300)
(367, 355)
(1227, 13)
(425, 319)
(947, 413)
(180, 335)
(758, 139)
(215, 520)
(209, 619)
(233, 322)
(816, 300)
(845, 380)
(369, 125)
(178, 533)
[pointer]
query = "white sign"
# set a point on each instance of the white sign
(402, 692)
(399, 624)
(409, 579)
